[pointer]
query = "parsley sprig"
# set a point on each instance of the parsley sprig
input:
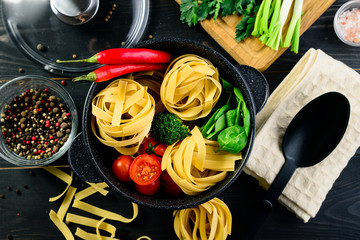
(193, 11)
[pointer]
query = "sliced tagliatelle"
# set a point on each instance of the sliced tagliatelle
(122, 115)
(71, 196)
(195, 164)
(191, 87)
(210, 220)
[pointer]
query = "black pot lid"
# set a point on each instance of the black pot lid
(30, 23)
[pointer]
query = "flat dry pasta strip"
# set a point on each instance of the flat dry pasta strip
(61, 175)
(99, 187)
(90, 190)
(115, 122)
(210, 220)
(104, 213)
(191, 87)
(66, 203)
(90, 222)
(61, 226)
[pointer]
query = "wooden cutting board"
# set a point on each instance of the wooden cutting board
(251, 51)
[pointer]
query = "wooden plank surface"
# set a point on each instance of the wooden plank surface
(251, 51)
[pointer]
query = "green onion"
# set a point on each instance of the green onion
(293, 33)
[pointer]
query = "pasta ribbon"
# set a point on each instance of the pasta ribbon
(210, 220)
(72, 196)
(191, 87)
(61, 175)
(122, 115)
(195, 164)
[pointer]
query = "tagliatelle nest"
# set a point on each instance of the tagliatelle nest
(122, 115)
(191, 87)
(195, 165)
(210, 220)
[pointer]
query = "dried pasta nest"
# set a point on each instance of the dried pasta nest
(210, 220)
(191, 87)
(122, 115)
(195, 165)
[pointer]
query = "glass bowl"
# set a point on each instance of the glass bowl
(15, 88)
(339, 29)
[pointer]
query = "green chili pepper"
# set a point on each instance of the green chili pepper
(232, 139)
(245, 113)
(230, 127)
(210, 125)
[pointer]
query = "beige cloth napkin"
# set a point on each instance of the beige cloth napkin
(315, 74)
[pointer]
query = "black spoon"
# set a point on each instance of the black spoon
(311, 136)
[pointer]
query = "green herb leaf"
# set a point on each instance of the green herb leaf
(204, 10)
(228, 7)
(189, 12)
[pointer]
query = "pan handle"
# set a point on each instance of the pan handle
(80, 162)
(257, 83)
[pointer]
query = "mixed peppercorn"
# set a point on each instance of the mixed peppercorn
(35, 124)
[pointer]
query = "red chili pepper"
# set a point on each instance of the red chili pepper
(126, 56)
(108, 72)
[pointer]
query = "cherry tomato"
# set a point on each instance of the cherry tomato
(150, 189)
(145, 169)
(169, 186)
(154, 148)
(121, 168)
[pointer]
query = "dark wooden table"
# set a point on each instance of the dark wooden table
(25, 215)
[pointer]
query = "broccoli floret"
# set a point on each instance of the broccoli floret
(168, 128)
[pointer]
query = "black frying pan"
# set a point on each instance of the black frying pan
(91, 160)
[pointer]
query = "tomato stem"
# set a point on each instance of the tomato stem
(151, 149)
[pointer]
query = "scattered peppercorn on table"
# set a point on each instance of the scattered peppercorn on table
(25, 192)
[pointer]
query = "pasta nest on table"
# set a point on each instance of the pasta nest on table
(191, 87)
(210, 220)
(122, 115)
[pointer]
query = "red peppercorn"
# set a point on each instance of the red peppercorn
(38, 109)
(33, 138)
(8, 140)
(51, 137)
(19, 128)
(24, 141)
(13, 136)
(46, 143)
(56, 140)
(52, 152)
(15, 99)
(9, 111)
(47, 125)
(63, 82)
(39, 151)
(67, 114)
(47, 121)
(57, 124)
(49, 109)
(27, 142)
(46, 89)
(4, 133)
(43, 101)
